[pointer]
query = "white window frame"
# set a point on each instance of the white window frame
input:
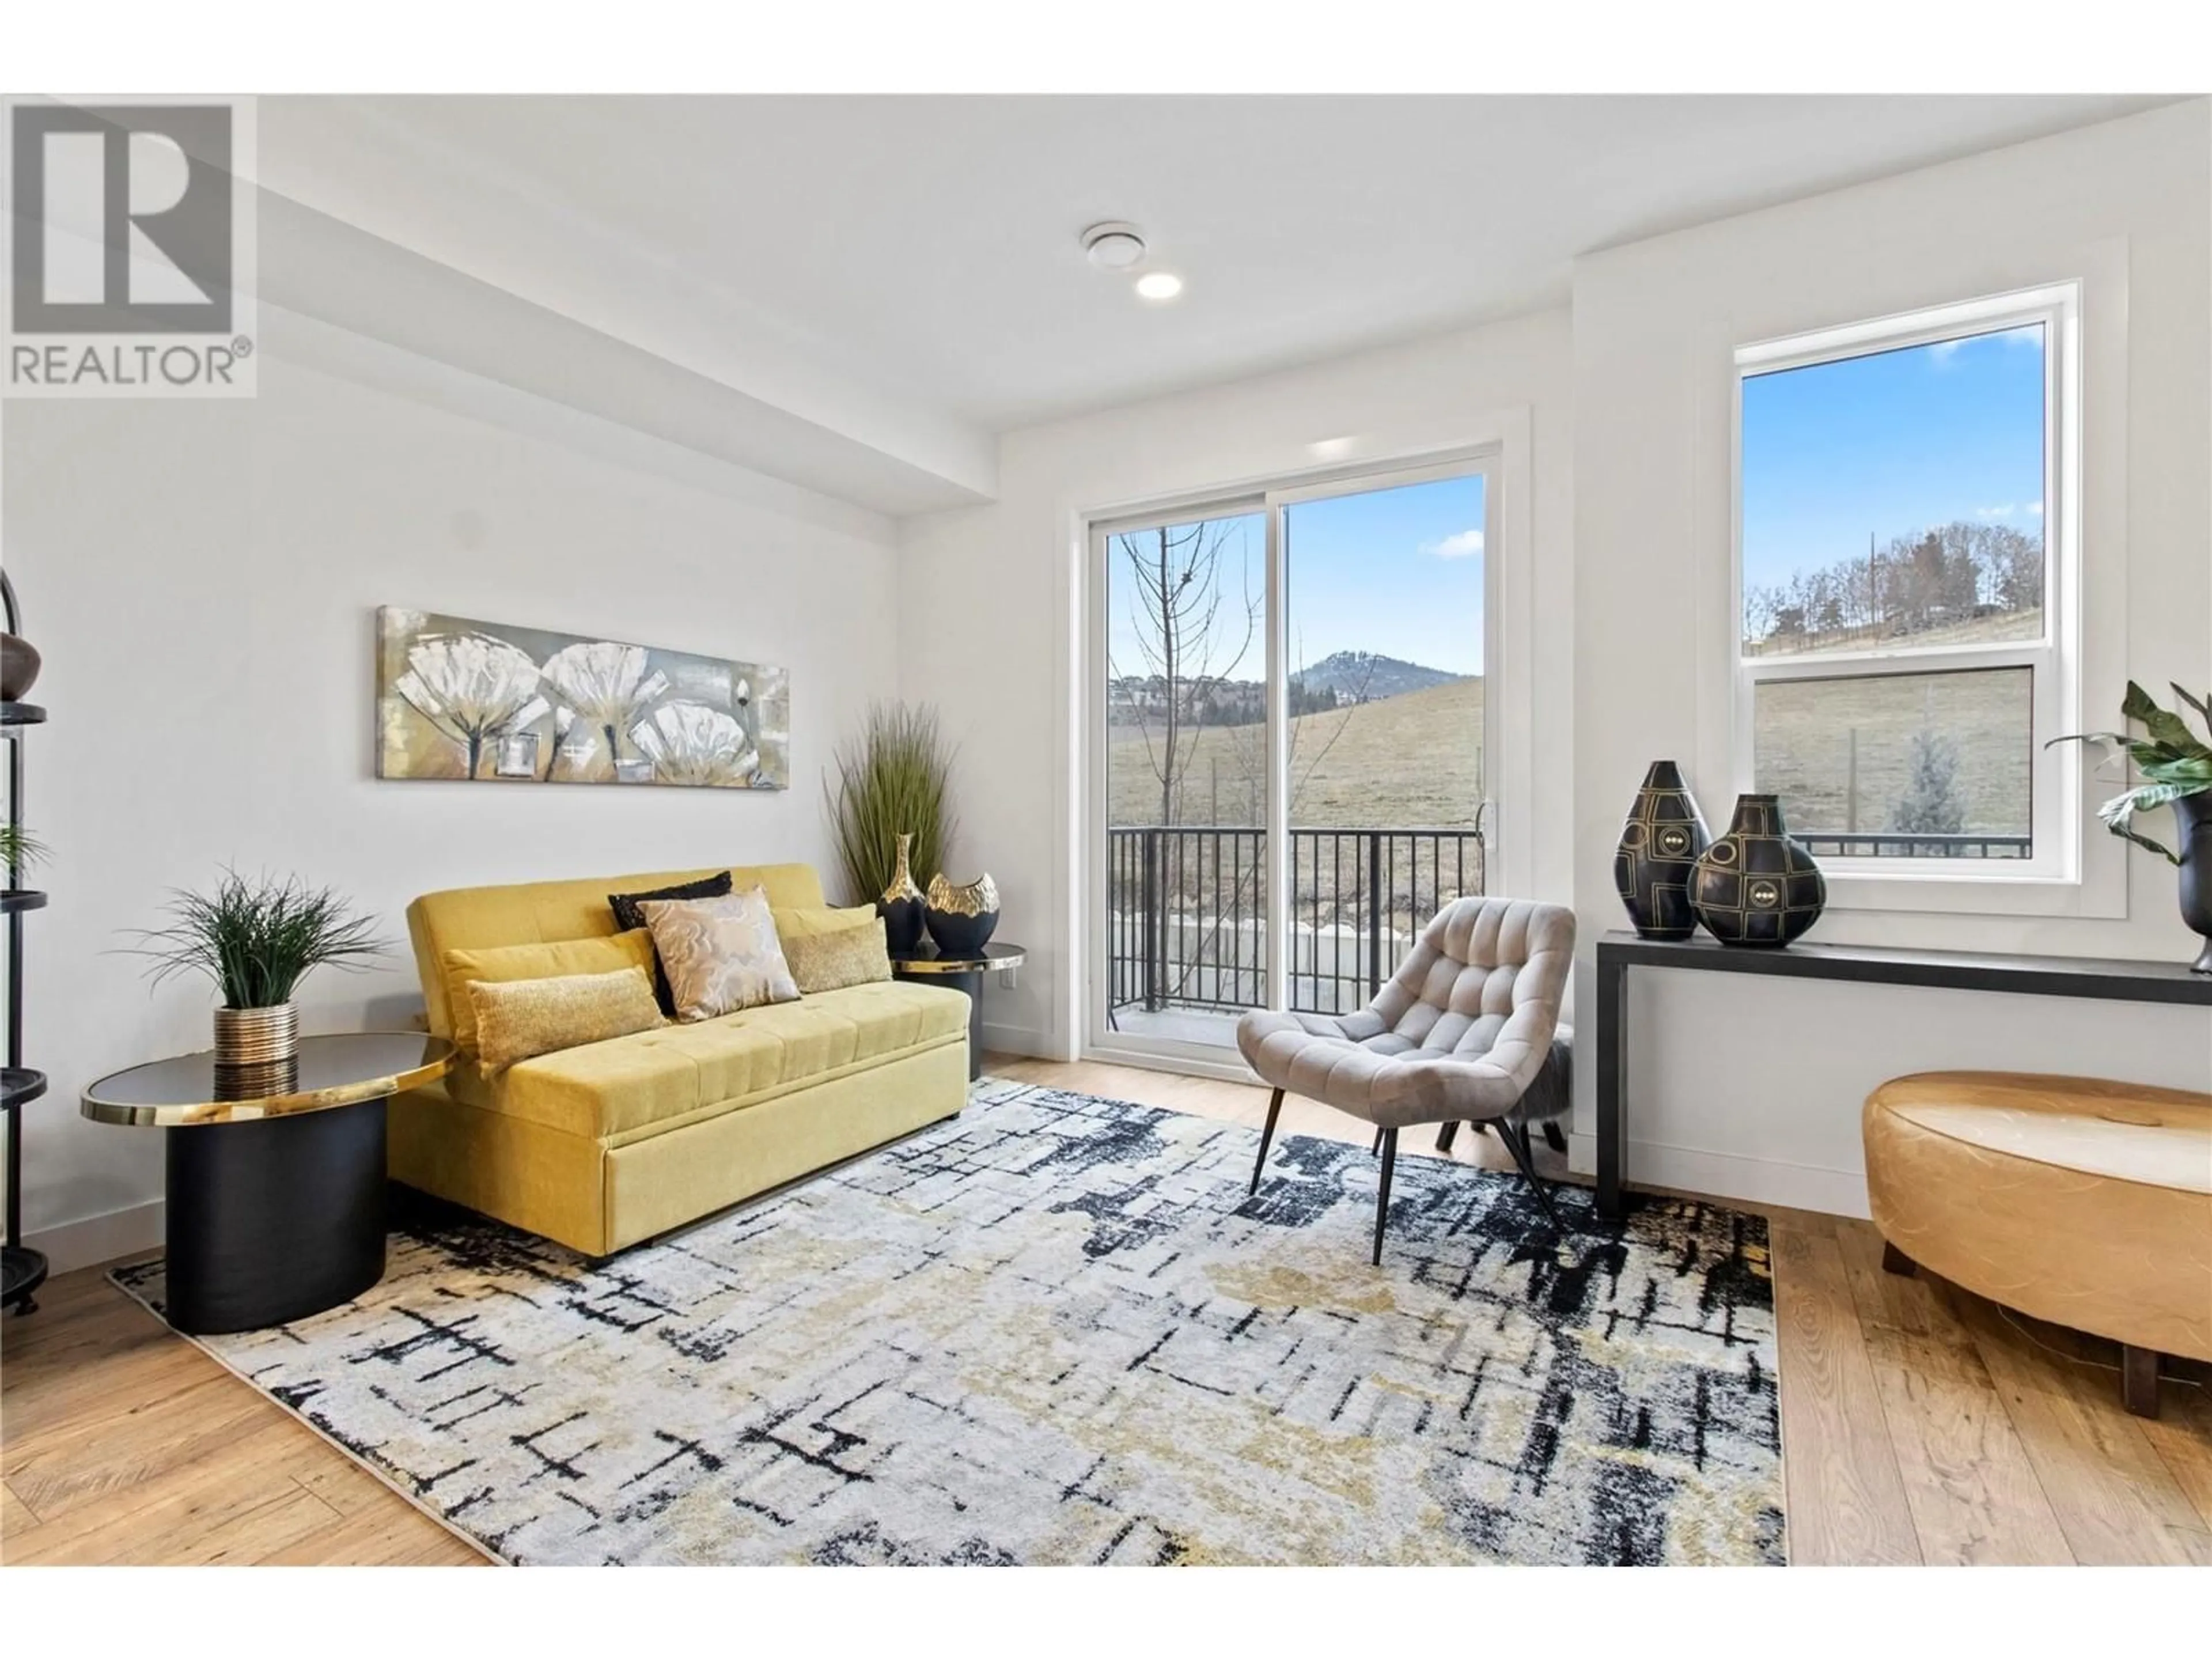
(2054, 821)
(1488, 461)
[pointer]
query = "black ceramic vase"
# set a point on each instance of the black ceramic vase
(901, 906)
(1755, 886)
(1659, 848)
(2192, 816)
(963, 919)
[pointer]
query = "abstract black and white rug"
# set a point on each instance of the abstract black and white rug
(1055, 1330)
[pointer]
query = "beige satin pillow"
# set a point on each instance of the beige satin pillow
(719, 954)
(517, 1019)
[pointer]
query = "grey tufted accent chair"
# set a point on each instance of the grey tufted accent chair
(1461, 1032)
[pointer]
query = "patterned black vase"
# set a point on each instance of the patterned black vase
(2192, 815)
(901, 906)
(1659, 848)
(1755, 886)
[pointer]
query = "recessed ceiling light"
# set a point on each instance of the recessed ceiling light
(1159, 285)
(1114, 245)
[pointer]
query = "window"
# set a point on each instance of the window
(1905, 588)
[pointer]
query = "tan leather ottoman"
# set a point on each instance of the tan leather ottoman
(2084, 1202)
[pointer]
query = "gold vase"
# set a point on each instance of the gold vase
(901, 905)
(962, 919)
(257, 1051)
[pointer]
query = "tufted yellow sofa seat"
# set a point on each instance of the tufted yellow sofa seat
(605, 1144)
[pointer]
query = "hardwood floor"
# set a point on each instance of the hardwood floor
(1919, 1424)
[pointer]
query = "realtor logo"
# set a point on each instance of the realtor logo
(129, 241)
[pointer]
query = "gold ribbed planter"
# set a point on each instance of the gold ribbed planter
(256, 1050)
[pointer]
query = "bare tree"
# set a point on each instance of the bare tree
(1191, 633)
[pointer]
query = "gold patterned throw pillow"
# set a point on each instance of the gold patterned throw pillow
(720, 955)
(831, 961)
(518, 1018)
(552, 959)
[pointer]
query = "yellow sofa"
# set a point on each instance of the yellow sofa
(603, 1145)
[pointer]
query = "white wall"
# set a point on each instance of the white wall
(202, 577)
(1754, 1089)
(990, 598)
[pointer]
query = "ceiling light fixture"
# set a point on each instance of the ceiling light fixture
(1114, 245)
(1159, 285)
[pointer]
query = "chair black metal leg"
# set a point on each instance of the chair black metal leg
(1448, 1135)
(1554, 1136)
(1390, 1138)
(1266, 1134)
(1516, 1137)
(1376, 1147)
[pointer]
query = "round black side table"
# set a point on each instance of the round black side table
(276, 1204)
(963, 973)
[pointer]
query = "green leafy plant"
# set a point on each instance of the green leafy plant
(892, 780)
(2173, 762)
(257, 939)
(19, 848)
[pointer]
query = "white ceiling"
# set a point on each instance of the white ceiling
(913, 262)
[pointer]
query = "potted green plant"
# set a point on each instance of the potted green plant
(889, 804)
(19, 850)
(257, 939)
(2177, 769)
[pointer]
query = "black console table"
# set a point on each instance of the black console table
(1866, 964)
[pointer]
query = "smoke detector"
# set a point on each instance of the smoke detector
(1114, 245)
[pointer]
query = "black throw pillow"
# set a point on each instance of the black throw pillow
(629, 916)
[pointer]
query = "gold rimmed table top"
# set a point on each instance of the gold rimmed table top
(343, 1070)
(927, 958)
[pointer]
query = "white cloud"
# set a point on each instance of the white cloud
(1943, 350)
(1466, 545)
(2005, 511)
(2035, 509)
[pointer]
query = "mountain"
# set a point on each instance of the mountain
(1355, 676)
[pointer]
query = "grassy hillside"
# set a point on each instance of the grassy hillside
(1804, 734)
(1416, 760)
(1408, 761)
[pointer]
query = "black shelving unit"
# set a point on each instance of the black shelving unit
(21, 1271)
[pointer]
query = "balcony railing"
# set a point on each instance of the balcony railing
(1187, 912)
(1853, 845)
(1187, 906)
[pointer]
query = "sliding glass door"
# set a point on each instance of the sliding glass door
(1289, 734)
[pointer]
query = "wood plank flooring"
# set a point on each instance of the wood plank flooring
(1919, 1424)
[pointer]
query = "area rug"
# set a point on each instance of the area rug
(1055, 1330)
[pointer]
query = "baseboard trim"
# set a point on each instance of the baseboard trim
(1017, 1040)
(100, 1238)
(1730, 1175)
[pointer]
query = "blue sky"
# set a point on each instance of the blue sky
(1395, 571)
(1890, 444)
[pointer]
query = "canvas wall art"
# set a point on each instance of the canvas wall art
(492, 703)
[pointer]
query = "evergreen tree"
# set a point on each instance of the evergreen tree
(1930, 804)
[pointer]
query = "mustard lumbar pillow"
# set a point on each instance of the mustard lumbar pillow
(831, 961)
(806, 921)
(517, 1019)
(552, 959)
(719, 954)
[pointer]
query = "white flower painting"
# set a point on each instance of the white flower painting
(490, 704)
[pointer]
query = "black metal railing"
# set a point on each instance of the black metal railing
(1186, 907)
(1896, 845)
